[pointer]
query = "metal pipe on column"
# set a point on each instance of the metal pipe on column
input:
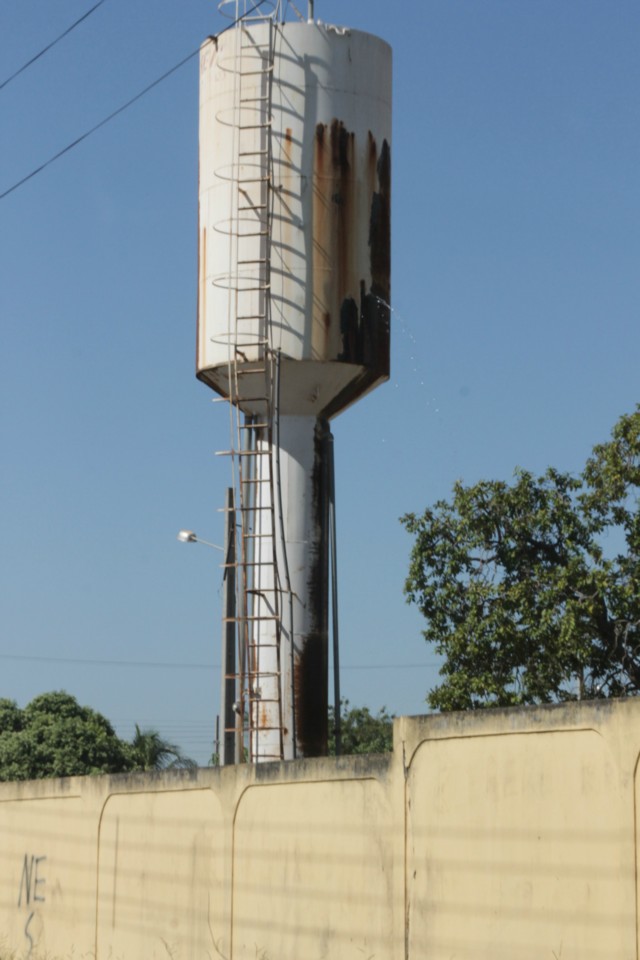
(227, 752)
(333, 564)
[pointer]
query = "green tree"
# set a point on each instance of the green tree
(360, 730)
(53, 736)
(531, 590)
(151, 752)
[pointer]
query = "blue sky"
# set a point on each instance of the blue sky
(515, 230)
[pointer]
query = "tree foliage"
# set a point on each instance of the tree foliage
(151, 751)
(531, 590)
(53, 736)
(361, 731)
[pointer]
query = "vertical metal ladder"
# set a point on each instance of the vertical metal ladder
(251, 359)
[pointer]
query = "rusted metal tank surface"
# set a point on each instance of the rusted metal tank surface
(327, 233)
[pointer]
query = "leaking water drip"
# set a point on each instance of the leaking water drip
(402, 329)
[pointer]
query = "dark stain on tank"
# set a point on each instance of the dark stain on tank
(311, 696)
(372, 158)
(311, 662)
(349, 328)
(320, 132)
(365, 329)
(343, 194)
(342, 144)
(380, 227)
(288, 141)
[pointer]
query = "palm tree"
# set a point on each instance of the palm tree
(153, 752)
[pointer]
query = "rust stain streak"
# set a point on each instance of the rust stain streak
(320, 243)
(380, 227)
(335, 230)
(351, 256)
(344, 221)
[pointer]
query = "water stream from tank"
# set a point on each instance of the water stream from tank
(409, 338)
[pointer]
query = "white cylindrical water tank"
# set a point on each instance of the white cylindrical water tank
(293, 322)
(294, 217)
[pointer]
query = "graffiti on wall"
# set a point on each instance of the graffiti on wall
(31, 895)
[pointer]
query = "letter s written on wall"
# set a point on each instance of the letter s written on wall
(31, 893)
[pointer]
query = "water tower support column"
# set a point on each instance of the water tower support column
(299, 469)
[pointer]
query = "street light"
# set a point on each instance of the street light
(231, 740)
(188, 536)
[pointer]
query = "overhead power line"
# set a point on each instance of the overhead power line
(181, 665)
(115, 113)
(52, 44)
(97, 126)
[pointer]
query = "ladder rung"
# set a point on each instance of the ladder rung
(254, 179)
(252, 619)
(254, 73)
(252, 399)
(255, 289)
(252, 207)
(250, 563)
(253, 45)
(239, 453)
(257, 536)
(252, 426)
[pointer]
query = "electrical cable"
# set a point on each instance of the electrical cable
(117, 112)
(50, 45)
(93, 129)
(177, 665)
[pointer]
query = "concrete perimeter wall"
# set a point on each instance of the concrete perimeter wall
(505, 835)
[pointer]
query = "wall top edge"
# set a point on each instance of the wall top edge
(220, 779)
(501, 720)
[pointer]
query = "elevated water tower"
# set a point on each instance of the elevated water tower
(293, 324)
